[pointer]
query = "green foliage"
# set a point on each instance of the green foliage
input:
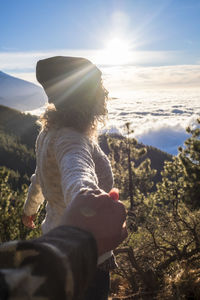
(16, 156)
(158, 159)
(18, 133)
(22, 126)
(11, 206)
(170, 191)
(161, 257)
(130, 180)
(190, 160)
(160, 240)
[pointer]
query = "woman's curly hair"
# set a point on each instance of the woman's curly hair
(81, 113)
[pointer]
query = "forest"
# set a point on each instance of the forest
(160, 259)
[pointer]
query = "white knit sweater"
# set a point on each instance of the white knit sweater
(67, 163)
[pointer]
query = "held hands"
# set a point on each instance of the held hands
(28, 221)
(114, 194)
(99, 214)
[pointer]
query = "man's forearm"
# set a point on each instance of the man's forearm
(50, 267)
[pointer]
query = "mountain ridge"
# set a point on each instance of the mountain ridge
(20, 94)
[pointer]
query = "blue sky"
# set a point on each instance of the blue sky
(49, 24)
(158, 32)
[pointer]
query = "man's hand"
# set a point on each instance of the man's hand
(102, 216)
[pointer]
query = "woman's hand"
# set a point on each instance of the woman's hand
(102, 216)
(28, 221)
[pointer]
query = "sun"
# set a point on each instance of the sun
(116, 52)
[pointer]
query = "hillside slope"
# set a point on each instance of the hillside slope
(22, 126)
(18, 132)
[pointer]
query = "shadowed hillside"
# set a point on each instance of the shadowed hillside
(18, 132)
(22, 126)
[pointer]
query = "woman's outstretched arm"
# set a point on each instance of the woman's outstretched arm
(34, 200)
(73, 153)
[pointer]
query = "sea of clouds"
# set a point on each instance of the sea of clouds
(158, 118)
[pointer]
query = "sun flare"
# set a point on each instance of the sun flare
(117, 51)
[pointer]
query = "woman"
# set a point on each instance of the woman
(69, 161)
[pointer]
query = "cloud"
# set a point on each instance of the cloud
(164, 136)
(158, 117)
(135, 77)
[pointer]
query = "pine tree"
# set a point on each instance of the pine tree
(131, 180)
(190, 159)
(170, 190)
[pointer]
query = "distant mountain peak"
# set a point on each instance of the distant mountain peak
(20, 94)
